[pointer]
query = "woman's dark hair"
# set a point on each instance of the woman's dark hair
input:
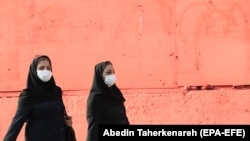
(106, 63)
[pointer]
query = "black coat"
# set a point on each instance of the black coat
(113, 116)
(44, 121)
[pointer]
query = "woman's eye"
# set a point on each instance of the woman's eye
(43, 68)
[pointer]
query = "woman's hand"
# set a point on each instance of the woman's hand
(68, 120)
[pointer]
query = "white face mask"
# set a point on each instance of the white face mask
(44, 75)
(110, 80)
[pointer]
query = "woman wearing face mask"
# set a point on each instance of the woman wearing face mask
(105, 104)
(40, 106)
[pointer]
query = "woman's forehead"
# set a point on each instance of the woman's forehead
(108, 67)
(43, 62)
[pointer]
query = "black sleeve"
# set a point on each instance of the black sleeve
(17, 122)
(93, 127)
(59, 91)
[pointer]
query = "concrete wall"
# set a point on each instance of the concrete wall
(164, 106)
(158, 47)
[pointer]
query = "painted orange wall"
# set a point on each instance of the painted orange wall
(157, 47)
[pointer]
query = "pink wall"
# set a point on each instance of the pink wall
(157, 48)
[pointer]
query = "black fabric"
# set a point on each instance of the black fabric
(40, 106)
(69, 130)
(69, 133)
(101, 96)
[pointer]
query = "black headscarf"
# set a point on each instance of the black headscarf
(101, 96)
(36, 89)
